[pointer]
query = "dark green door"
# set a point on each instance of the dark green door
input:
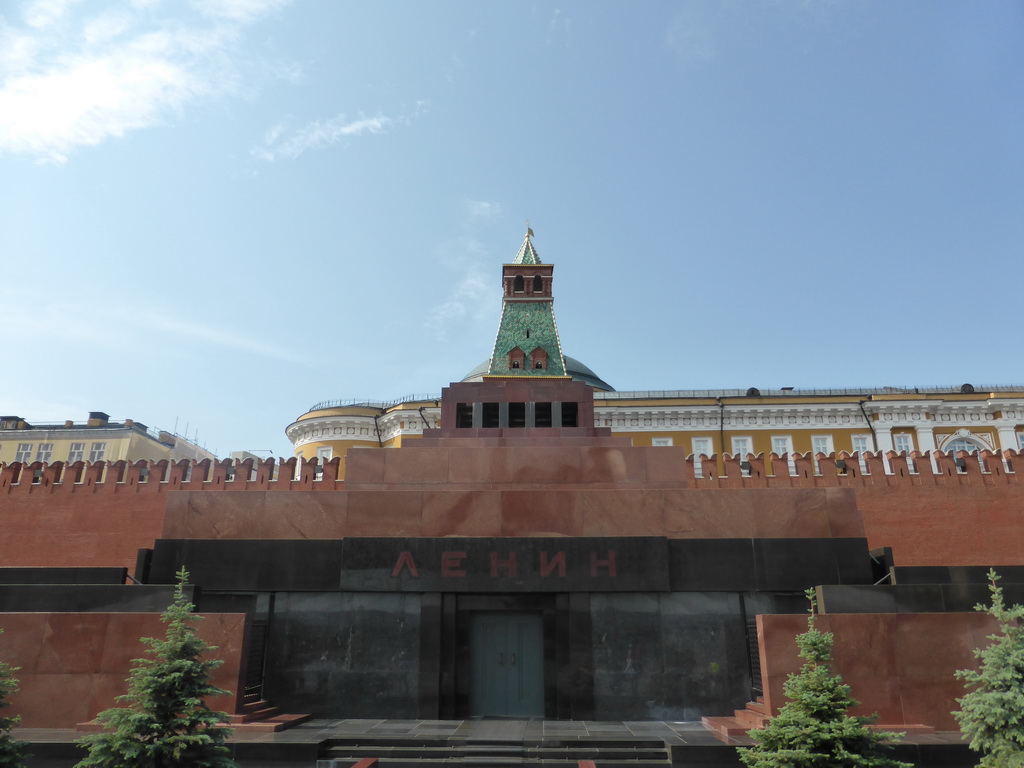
(507, 664)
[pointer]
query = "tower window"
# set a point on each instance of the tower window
(516, 358)
(490, 416)
(515, 363)
(538, 358)
(570, 414)
(539, 364)
(538, 284)
(517, 284)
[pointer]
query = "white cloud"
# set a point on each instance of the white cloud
(73, 77)
(281, 141)
(472, 300)
(482, 209)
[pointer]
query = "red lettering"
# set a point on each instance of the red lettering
(547, 566)
(509, 564)
(405, 561)
(451, 562)
(608, 562)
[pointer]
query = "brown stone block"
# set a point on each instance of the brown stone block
(462, 513)
(865, 655)
(224, 515)
(122, 640)
(176, 508)
(384, 513)
(622, 513)
(422, 466)
(468, 464)
(665, 464)
(305, 515)
(364, 465)
(785, 514)
(22, 639)
(931, 701)
(541, 513)
(56, 700)
(612, 465)
(779, 654)
(73, 643)
(933, 645)
(542, 464)
(844, 519)
(713, 514)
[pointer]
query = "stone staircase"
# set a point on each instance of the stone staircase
(467, 753)
(263, 717)
(755, 715)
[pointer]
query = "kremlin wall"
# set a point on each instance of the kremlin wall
(519, 556)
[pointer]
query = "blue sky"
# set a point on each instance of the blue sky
(213, 215)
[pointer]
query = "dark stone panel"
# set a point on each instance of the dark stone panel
(725, 565)
(63, 575)
(672, 656)
(250, 565)
(857, 599)
(429, 686)
(345, 655)
(963, 597)
(498, 564)
(755, 603)
(958, 574)
(579, 672)
(793, 564)
(912, 598)
(86, 598)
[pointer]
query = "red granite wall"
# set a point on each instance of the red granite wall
(74, 664)
(898, 665)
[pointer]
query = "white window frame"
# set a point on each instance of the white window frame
(899, 438)
(868, 446)
(661, 442)
(24, 453)
(44, 452)
(785, 442)
(1020, 441)
(699, 444)
(742, 445)
(76, 452)
(97, 451)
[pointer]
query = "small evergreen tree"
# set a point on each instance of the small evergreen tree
(992, 714)
(813, 729)
(166, 722)
(12, 753)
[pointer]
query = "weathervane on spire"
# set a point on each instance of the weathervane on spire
(529, 232)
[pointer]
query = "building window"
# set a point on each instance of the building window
(741, 446)
(490, 416)
(517, 284)
(782, 445)
(538, 284)
(570, 414)
(463, 415)
(1020, 441)
(955, 446)
(24, 453)
(542, 414)
(903, 443)
(97, 452)
(516, 357)
(822, 444)
(659, 442)
(77, 452)
(44, 452)
(861, 445)
(324, 454)
(701, 446)
(517, 415)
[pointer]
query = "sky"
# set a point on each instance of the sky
(215, 214)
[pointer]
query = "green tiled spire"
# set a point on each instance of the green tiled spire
(527, 254)
(527, 332)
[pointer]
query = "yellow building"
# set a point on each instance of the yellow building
(705, 422)
(98, 439)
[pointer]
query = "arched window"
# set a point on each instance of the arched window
(539, 358)
(516, 358)
(517, 284)
(538, 364)
(538, 284)
(961, 444)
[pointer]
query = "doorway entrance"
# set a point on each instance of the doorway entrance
(506, 664)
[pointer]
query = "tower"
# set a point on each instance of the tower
(527, 343)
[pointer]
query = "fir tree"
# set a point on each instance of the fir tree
(12, 753)
(813, 729)
(166, 721)
(992, 715)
